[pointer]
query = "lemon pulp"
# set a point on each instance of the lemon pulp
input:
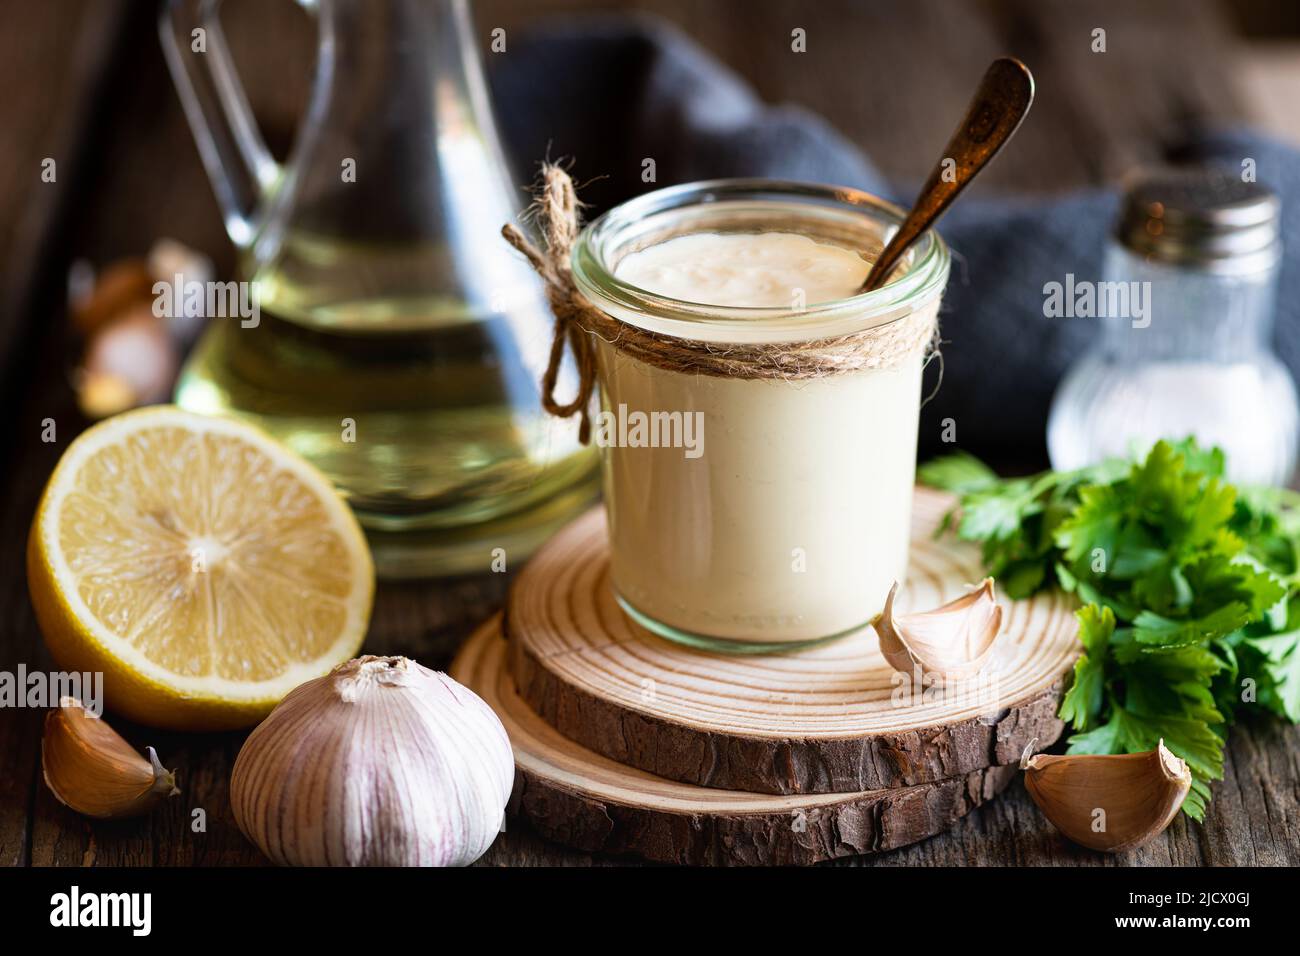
(204, 568)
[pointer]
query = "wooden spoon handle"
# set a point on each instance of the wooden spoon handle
(999, 106)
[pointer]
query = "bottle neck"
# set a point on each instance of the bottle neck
(406, 101)
(381, 48)
(397, 189)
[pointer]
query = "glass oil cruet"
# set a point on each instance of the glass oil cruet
(400, 341)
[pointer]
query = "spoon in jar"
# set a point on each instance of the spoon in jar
(1000, 104)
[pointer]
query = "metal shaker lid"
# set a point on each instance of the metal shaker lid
(1201, 218)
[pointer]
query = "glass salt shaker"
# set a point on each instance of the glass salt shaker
(1184, 348)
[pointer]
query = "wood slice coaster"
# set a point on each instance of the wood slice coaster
(574, 796)
(829, 719)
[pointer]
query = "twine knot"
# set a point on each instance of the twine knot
(557, 211)
(914, 334)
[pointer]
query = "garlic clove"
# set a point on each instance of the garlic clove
(948, 643)
(173, 262)
(1109, 802)
(91, 769)
(382, 762)
(103, 394)
(121, 286)
(131, 361)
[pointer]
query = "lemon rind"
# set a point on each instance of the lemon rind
(210, 688)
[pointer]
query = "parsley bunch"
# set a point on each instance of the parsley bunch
(1190, 592)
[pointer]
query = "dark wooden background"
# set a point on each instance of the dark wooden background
(83, 81)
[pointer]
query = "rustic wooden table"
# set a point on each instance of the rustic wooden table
(84, 83)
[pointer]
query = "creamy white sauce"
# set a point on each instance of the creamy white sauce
(795, 520)
(753, 270)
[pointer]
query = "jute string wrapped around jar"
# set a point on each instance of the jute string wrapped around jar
(557, 212)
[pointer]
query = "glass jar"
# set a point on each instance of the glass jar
(1196, 257)
(791, 521)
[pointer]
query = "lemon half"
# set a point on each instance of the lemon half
(205, 569)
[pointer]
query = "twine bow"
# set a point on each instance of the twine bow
(913, 334)
(557, 211)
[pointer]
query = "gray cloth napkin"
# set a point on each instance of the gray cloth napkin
(610, 92)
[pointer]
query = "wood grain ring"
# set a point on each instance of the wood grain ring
(830, 719)
(574, 796)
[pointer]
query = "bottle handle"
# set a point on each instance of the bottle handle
(241, 168)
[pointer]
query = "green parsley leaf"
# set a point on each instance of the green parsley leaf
(1190, 587)
(1152, 629)
(1083, 701)
(961, 472)
(1281, 668)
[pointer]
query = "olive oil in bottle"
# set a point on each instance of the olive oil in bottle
(425, 422)
(400, 341)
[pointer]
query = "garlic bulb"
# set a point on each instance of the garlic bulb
(91, 769)
(382, 762)
(948, 643)
(1108, 802)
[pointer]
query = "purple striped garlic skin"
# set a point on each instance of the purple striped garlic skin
(382, 762)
